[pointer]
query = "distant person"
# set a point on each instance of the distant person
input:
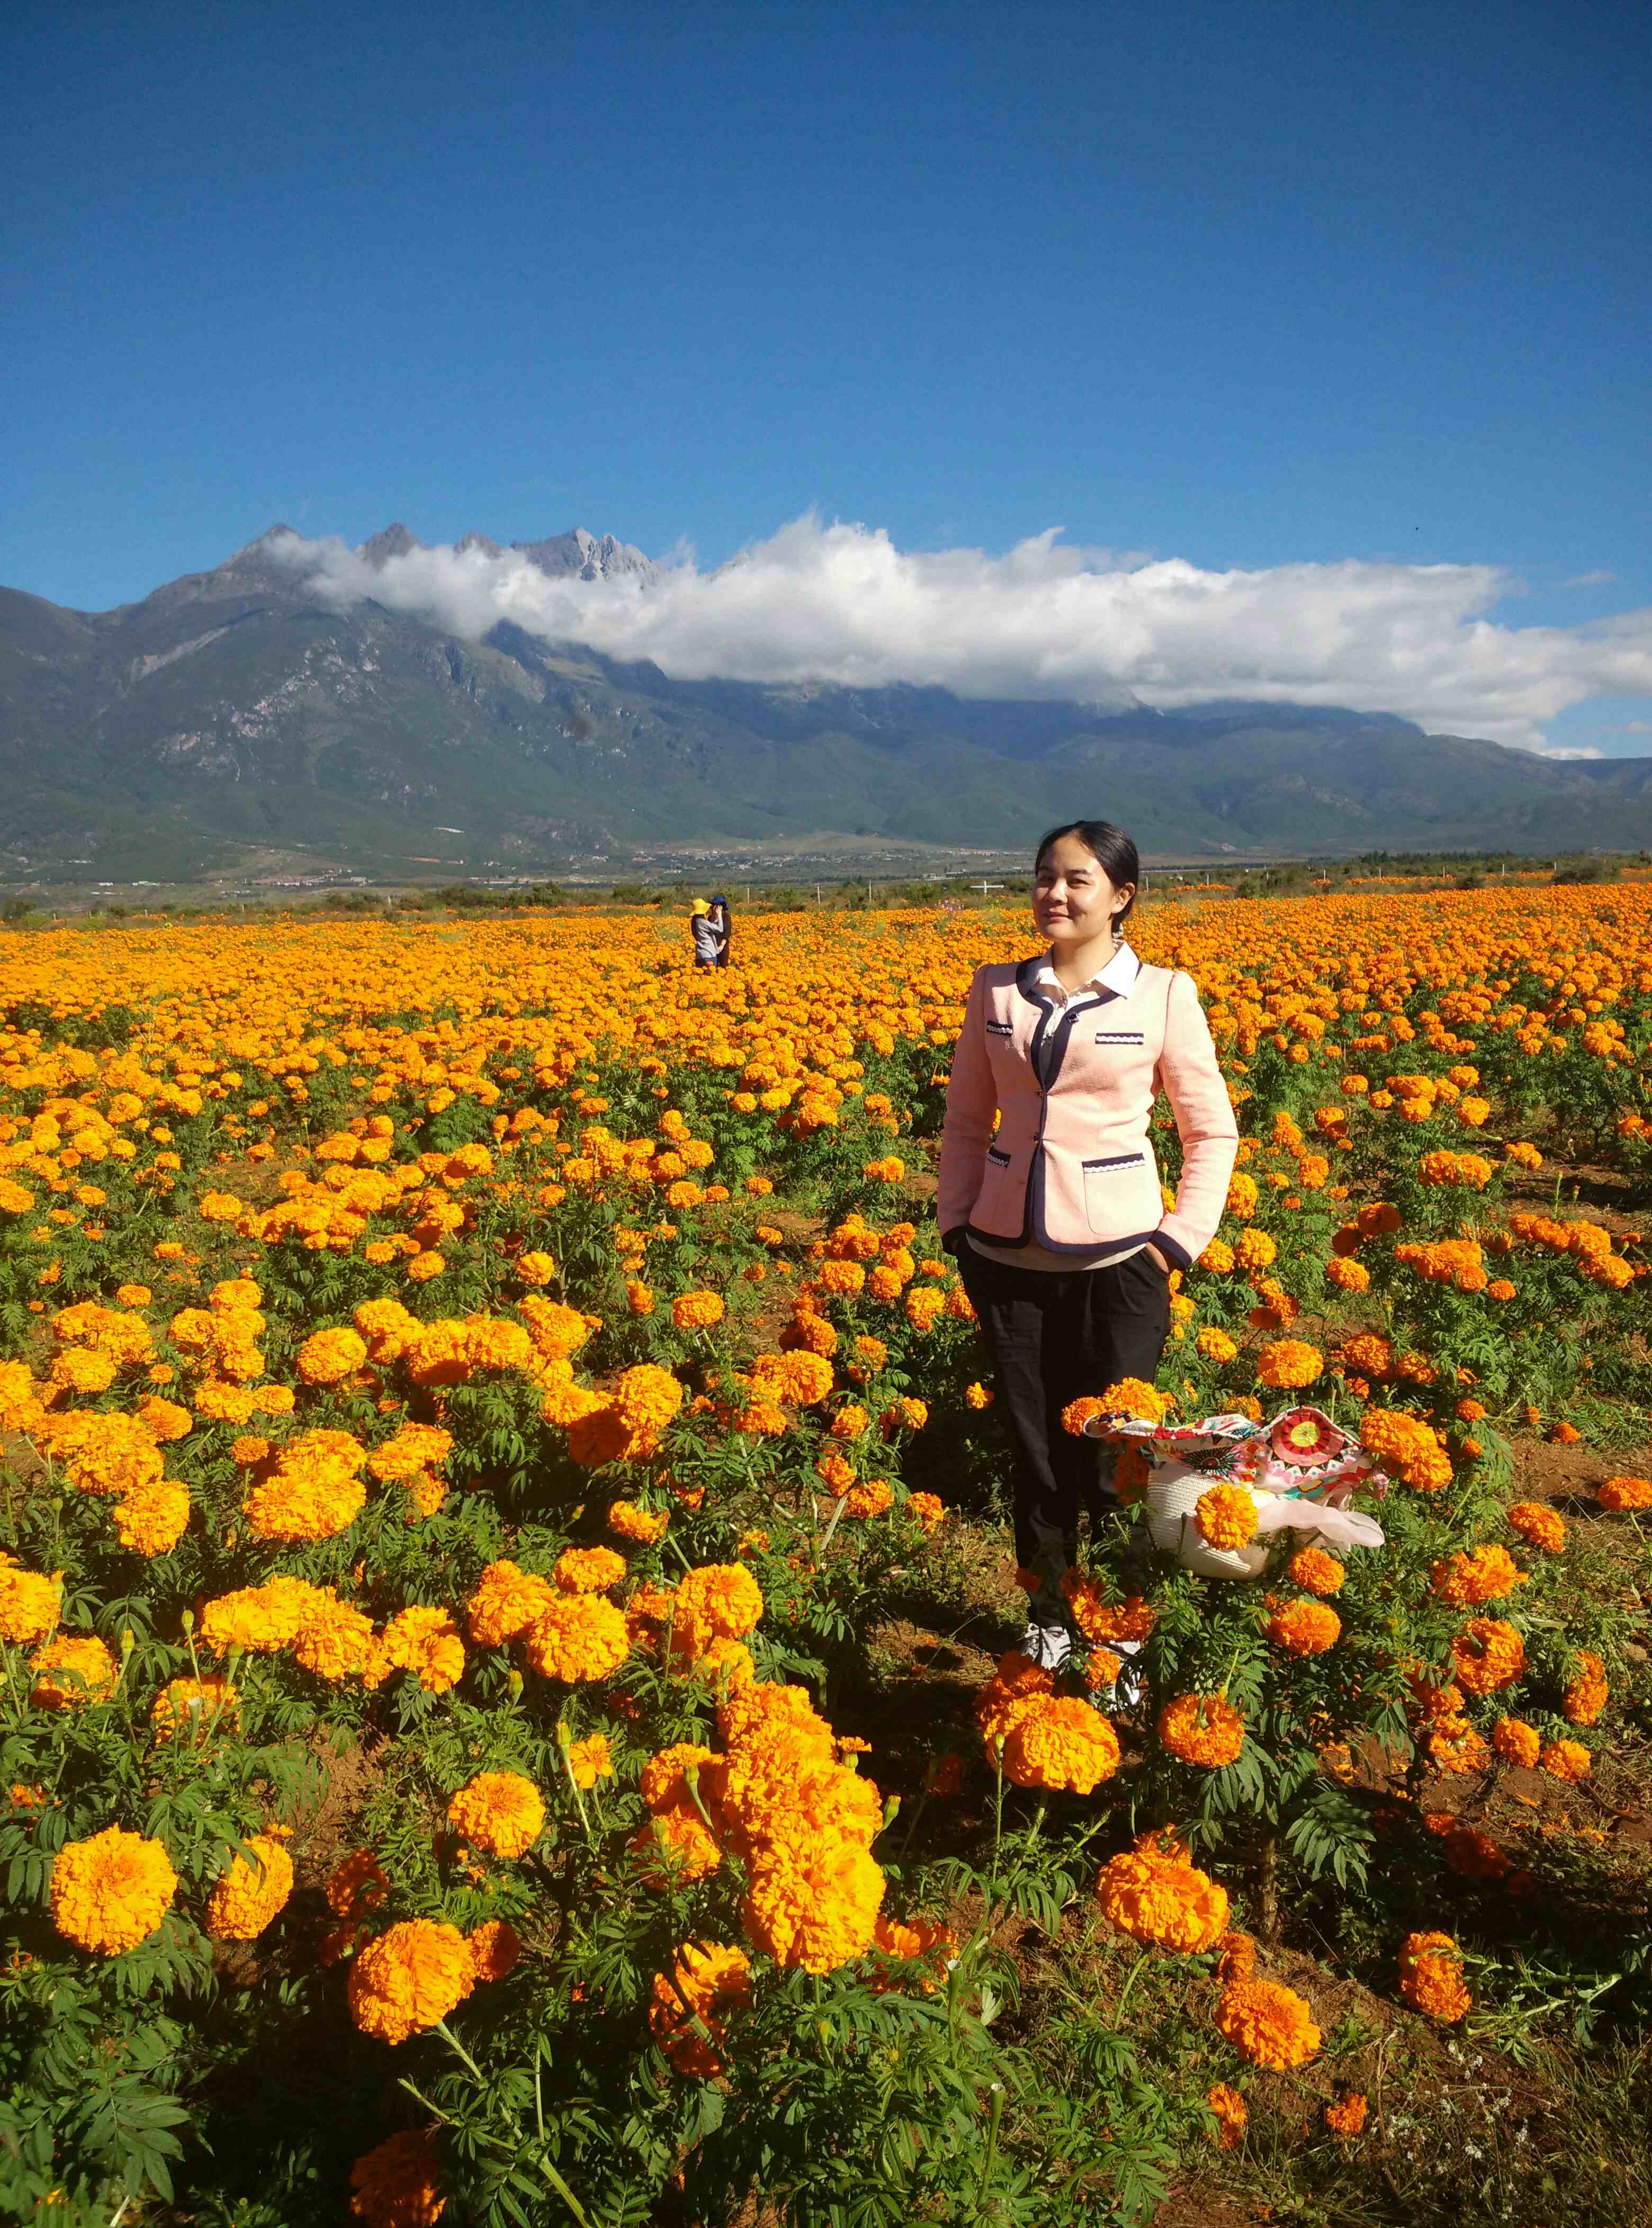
(1057, 1222)
(723, 922)
(704, 932)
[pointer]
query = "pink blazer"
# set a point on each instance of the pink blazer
(1071, 1166)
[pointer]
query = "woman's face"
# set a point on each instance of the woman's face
(1072, 898)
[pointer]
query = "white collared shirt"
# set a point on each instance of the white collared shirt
(1117, 979)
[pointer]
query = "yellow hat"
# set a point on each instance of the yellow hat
(698, 907)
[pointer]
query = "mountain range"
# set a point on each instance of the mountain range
(237, 715)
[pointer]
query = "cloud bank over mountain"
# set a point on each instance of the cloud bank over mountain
(842, 603)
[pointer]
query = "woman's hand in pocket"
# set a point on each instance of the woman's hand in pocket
(1158, 1260)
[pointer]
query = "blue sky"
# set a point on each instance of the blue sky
(1252, 286)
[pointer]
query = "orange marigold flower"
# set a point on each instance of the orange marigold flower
(588, 1569)
(110, 1891)
(499, 1811)
(1202, 1729)
(1586, 1697)
(422, 1640)
(697, 1310)
(1063, 1745)
(1430, 1977)
(30, 1604)
(1269, 2023)
(1163, 1900)
(1303, 1627)
(1618, 1494)
(70, 1671)
(1290, 1363)
(1316, 1571)
(579, 1638)
(398, 2184)
(1565, 1759)
(408, 1978)
(1226, 1517)
(1487, 1654)
(1485, 1574)
(507, 1601)
(1347, 2117)
(1539, 1527)
(691, 2005)
(628, 1520)
(1517, 1742)
(494, 1948)
(1231, 2114)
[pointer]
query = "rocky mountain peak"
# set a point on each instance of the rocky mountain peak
(395, 542)
(583, 556)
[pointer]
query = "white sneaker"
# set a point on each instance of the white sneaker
(1046, 1645)
(1127, 1688)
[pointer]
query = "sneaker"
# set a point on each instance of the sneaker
(1127, 1689)
(1047, 1645)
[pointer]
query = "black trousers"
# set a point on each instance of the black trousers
(1054, 1337)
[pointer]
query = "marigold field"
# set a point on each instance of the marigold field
(505, 1599)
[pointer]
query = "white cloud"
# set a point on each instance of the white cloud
(1579, 751)
(842, 603)
(1589, 580)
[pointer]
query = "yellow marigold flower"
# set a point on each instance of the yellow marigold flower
(1303, 1628)
(1231, 2115)
(110, 1892)
(30, 1604)
(1161, 1899)
(1226, 1517)
(329, 1356)
(628, 1520)
(398, 2184)
(591, 1759)
(814, 1903)
(423, 1641)
(260, 1619)
(691, 2004)
(535, 1269)
(717, 1601)
(1269, 2023)
(1215, 1345)
(1203, 1729)
(849, 1422)
(1430, 1977)
(187, 1706)
(500, 1812)
(152, 1518)
(409, 1977)
(415, 1447)
(578, 1638)
(588, 1569)
(1289, 1364)
(251, 1890)
(507, 1601)
(70, 1671)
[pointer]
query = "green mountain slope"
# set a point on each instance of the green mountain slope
(234, 712)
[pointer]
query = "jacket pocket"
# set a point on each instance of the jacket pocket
(996, 1167)
(1107, 1188)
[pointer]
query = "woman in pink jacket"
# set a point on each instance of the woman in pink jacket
(1057, 1222)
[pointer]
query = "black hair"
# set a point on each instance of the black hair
(1111, 849)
